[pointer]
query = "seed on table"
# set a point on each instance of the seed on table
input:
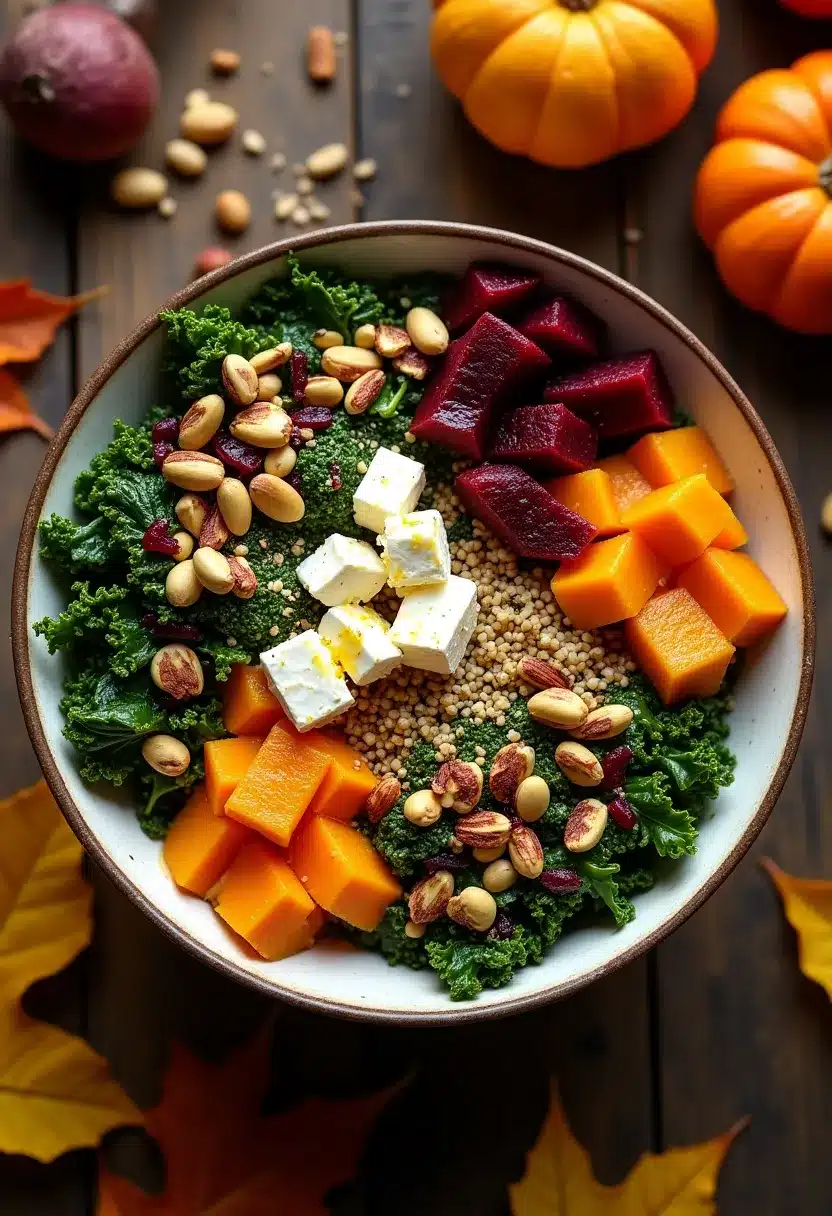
(136, 189)
(285, 205)
(233, 211)
(167, 207)
(320, 54)
(300, 216)
(224, 62)
(365, 170)
(213, 571)
(166, 755)
(240, 379)
(281, 461)
(182, 587)
(185, 157)
(326, 161)
(253, 142)
(268, 387)
(197, 97)
(278, 162)
(209, 123)
(235, 505)
(305, 186)
(323, 390)
(276, 498)
(318, 210)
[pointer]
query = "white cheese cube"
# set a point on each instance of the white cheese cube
(342, 569)
(434, 625)
(391, 486)
(359, 640)
(307, 681)
(416, 550)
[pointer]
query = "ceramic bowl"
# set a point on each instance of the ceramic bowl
(772, 695)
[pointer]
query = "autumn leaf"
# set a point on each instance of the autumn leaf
(807, 903)
(559, 1181)
(29, 318)
(56, 1093)
(223, 1158)
(15, 412)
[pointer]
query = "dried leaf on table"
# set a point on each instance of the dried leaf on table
(223, 1156)
(559, 1181)
(807, 903)
(29, 318)
(56, 1093)
(15, 412)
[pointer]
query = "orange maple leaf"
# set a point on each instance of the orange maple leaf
(29, 318)
(223, 1158)
(15, 412)
(807, 903)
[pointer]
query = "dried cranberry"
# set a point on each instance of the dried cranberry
(157, 539)
(166, 431)
(295, 480)
(149, 620)
(502, 928)
(161, 451)
(243, 458)
(335, 475)
(300, 374)
(560, 881)
(446, 862)
(621, 813)
(170, 629)
(313, 417)
(615, 765)
(516, 822)
(296, 440)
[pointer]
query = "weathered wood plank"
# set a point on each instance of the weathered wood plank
(741, 1031)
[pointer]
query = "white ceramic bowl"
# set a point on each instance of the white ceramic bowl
(772, 696)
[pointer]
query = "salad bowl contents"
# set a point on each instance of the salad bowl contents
(410, 617)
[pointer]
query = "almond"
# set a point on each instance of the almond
(240, 379)
(483, 829)
(473, 908)
(578, 764)
(327, 161)
(412, 363)
(214, 533)
(245, 580)
(274, 356)
(604, 723)
(585, 826)
(383, 798)
(347, 363)
(511, 765)
(541, 674)
(193, 470)
(264, 424)
(177, 671)
(201, 422)
(458, 784)
(558, 707)
(526, 852)
(364, 391)
(391, 341)
(430, 897)
(427, 332)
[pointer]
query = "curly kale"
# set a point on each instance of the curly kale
(405, 848)
(107, 720)
(197, 343)
(600, 883)
(75, 548)
(467, 966)
(392, 941)
(670, 829)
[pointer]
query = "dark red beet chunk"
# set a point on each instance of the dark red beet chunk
(299, 365)
(161, 451)
(446, 861)
(480, 372)
(547, 438)
(482, 289)
(625, 396)
(166, 431)
(522, 513)
(615, 765)
(315, 417)
(243, 458)
(157, 539)
(560, 881)
(562, 327)
(621, 813)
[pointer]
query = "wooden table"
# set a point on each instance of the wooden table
(717, 1022)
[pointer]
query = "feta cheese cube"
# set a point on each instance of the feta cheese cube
(359, 640)
(307, 681)
(415, 550)
(342, 569)
(434, 625)
(391, 486)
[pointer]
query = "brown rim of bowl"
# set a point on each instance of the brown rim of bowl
(20, 634)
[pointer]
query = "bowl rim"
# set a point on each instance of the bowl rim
(511, 243)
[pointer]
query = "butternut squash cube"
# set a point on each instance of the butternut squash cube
(342, 871)
(610, 581)
(667, 456)
(679, 521)
(589, 494)
(678, 646)
(261, 899)
(348, 781)
(226, 763)
(732, 536)
(200, 846)
(735, 593)
(628, 484)
(249, 707)
(281, 782)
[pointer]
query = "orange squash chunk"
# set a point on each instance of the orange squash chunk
(200, 845)
(669, 456)
(226, 763)
(304, 937)
(735, 593)
(678, 646)
(249, 707)
(342, 871)
(628, 484)
(732, 536)
(280, 784)
(611, 580)
(589, 494)
(679, 521)
(261, 899)
(348, 781)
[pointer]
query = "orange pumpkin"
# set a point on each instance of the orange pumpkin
(572, 82)
(763, 201)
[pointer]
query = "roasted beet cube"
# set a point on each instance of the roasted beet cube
(563, 328)
(548, 438)
(477, 377)
(522, 513)
(482, 289)
(627, 395)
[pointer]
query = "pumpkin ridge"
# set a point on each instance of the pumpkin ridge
(786, 284)
(533, 143)
(603, 41)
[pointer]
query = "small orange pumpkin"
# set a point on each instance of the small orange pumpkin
(572, 82)
(763, 199)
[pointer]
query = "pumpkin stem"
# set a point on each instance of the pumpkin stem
(825, 175)
(578, 6)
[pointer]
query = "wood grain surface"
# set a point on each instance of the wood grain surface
(718, 1022)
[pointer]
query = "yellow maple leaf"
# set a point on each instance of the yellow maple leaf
(56, 1093)
(559, 1181)
(807, 903)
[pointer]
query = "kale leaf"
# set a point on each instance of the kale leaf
(107, 720)
(334, 304)
(75, 548)
(197, 344)
(600, 883)
(670, 829)
(404, 847)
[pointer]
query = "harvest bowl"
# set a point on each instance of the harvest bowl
(771, 696)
